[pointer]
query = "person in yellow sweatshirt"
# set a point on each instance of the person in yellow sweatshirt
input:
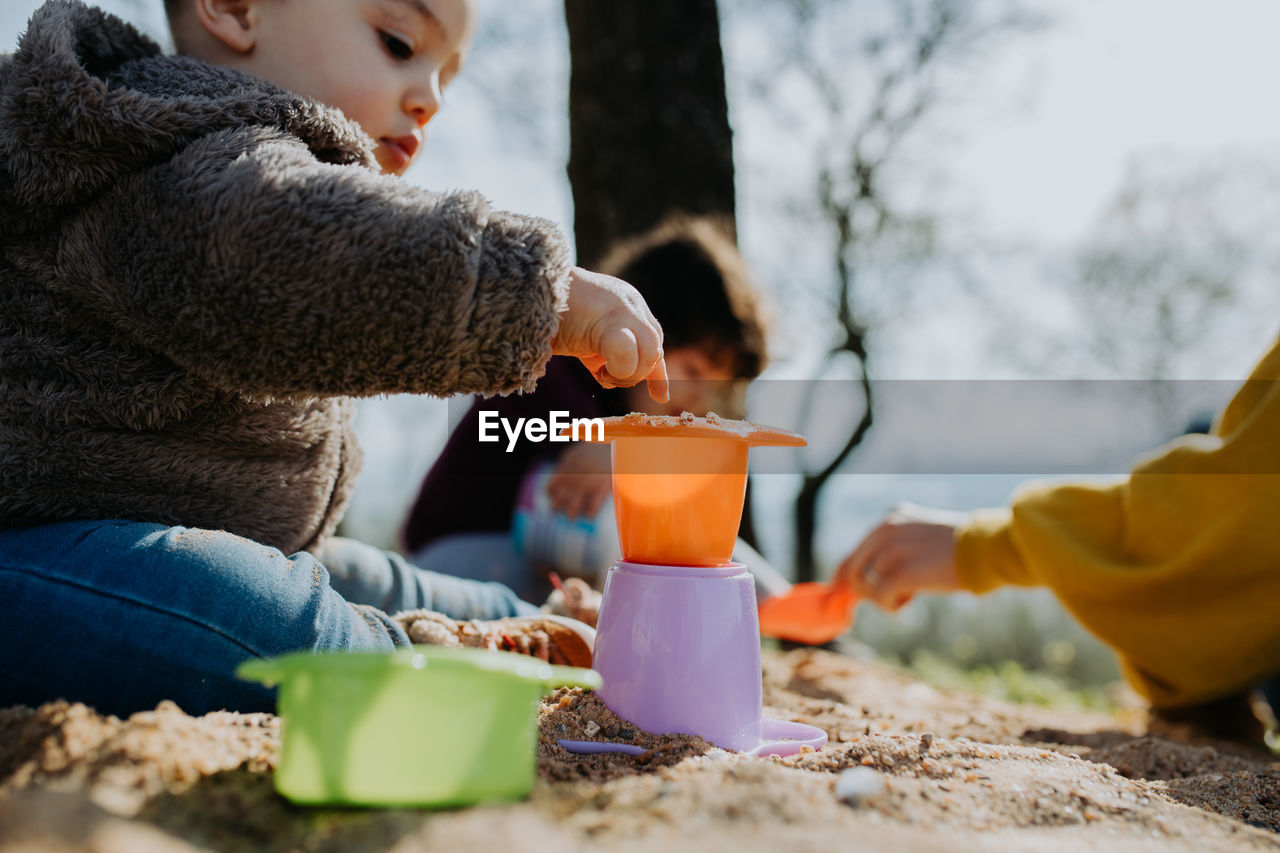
(1176, 567)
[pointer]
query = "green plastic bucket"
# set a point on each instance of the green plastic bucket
(421, 726)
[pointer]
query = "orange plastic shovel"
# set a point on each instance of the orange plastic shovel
(810, 613)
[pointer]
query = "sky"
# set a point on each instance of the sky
(1032, 157)
(1113, 81)
(1036, 151)
(1039, 151)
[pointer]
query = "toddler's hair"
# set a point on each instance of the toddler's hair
(697, 285)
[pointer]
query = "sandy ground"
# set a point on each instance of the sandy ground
(939, 771)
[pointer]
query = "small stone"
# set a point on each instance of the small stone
(561, 728)
(610, 731)
(626, 734)
(926, 741)
(591, 728)
(858, 784)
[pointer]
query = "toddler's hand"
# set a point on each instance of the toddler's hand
(575, 598)
(610, 329)
(912, 550)
(581, 481)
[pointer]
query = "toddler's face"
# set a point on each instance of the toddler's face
(384, 63)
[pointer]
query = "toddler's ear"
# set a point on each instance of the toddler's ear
(232, 22)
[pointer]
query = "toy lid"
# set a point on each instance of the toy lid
(687, 425)
(271, 671)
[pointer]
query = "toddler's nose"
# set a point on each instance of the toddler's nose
(423, 102)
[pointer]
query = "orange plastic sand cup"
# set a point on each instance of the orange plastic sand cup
(679, 500)
(679, 485)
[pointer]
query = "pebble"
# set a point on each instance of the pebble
(858, 784)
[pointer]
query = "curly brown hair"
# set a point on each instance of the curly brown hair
(696, 283)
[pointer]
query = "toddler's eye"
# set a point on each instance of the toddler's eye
(396, 46)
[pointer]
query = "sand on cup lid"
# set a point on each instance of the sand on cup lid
(688, 425)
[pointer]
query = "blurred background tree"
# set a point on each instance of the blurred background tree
(649, 133)
(649, 128)
(1180, 258)
(863, 81)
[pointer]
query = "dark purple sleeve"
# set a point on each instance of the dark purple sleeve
(472, 486)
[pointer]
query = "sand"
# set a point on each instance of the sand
(945, 771)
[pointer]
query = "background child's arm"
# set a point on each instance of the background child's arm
(1168, 566)
(912, 550)
(582, 480)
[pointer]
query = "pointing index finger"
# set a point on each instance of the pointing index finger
(656, 381)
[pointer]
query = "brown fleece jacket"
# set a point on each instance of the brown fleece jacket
(197, 270)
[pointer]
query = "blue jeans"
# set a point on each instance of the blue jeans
(121, 615)
(485, 557)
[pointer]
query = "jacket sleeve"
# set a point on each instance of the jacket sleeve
(1170, 566)
(262, 270)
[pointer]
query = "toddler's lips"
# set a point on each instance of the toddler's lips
(401, 149)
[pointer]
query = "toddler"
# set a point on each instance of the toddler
(204, 257)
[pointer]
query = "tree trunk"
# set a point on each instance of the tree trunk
(648, 117)
(806, 528)
(649, 127)
(806, 506)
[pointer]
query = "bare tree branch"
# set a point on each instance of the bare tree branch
(904, 55)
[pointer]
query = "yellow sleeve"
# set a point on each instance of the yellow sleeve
(1177, 567)
(1080, 520)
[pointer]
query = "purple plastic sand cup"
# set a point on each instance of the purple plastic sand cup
(679, 650)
